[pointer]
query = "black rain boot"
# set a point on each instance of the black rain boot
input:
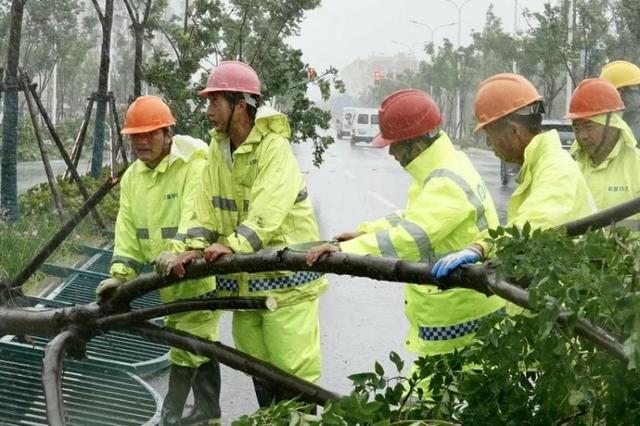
(206, 395)
(264, 392)
(180, 379)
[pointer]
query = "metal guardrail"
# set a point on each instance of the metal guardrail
(94, 393)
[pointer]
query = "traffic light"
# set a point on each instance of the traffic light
(377, 78)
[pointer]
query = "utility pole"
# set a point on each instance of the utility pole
(569, 84)
(459, 7)
(515, 32)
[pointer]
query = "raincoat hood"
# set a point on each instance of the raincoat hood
(267, 120)
(626, 138)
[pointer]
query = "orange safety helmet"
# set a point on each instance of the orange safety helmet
(146, 114)
(502, 94)
(232, 76)
(594, 96)
(406, 114)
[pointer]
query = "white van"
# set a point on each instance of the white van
(346, 123)
(365, 125)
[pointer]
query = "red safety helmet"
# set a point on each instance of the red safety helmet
(594, 96)
(406, 114)
(232, 76)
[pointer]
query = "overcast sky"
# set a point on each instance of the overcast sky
(340, 31)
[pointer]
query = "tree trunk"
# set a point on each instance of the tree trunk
(103, 81)
(9, 178)
(137, 66)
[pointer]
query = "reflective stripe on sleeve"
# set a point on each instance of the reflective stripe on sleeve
(225, 204)
(168, 232)
(421, 239)
(385, 245)
(250, 235)
(393, 219)
(481, 219)
(201, 232)
(142, 233)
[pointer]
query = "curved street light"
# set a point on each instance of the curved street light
(432, 30)
(459, 7)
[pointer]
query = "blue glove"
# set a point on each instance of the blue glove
(448, 263)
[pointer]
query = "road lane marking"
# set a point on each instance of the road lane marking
(383, 200)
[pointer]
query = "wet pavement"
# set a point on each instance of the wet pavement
(361, 320)
(31, 173)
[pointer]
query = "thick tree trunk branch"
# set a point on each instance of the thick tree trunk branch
(238, 361)
(473, 277)
(52, 368)
(603, 218)
(140, 315)
(46, 322)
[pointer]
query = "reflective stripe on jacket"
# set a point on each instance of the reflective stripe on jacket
(448, 204)
(253, 199)
(153, 203)
(617, 179)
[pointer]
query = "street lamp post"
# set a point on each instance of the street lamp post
(459, 7)
(432, 31)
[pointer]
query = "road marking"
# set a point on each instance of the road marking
(350, 174)
(382, 200)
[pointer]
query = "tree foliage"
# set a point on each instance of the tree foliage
(523, 368)
(251, 32)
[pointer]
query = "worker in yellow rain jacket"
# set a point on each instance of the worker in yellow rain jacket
(551, 190)
(156, 190)
(448, 205)
(605, 147)
(625, 76)
(254, 197)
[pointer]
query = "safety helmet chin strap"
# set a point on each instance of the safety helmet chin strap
(248, 99)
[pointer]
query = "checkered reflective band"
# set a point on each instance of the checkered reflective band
(451, 331)
(226, 284)
(294, 280)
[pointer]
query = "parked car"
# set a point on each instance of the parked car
(567, 136)
(564, 128)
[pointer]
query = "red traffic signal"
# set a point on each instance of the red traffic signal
(377, 78)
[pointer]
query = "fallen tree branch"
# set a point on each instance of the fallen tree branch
(474, 277)
(52, 368)
(237, 360)
(46, 322)
(595, 334)
(602, 219)
(140, 315)
(377, 268)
